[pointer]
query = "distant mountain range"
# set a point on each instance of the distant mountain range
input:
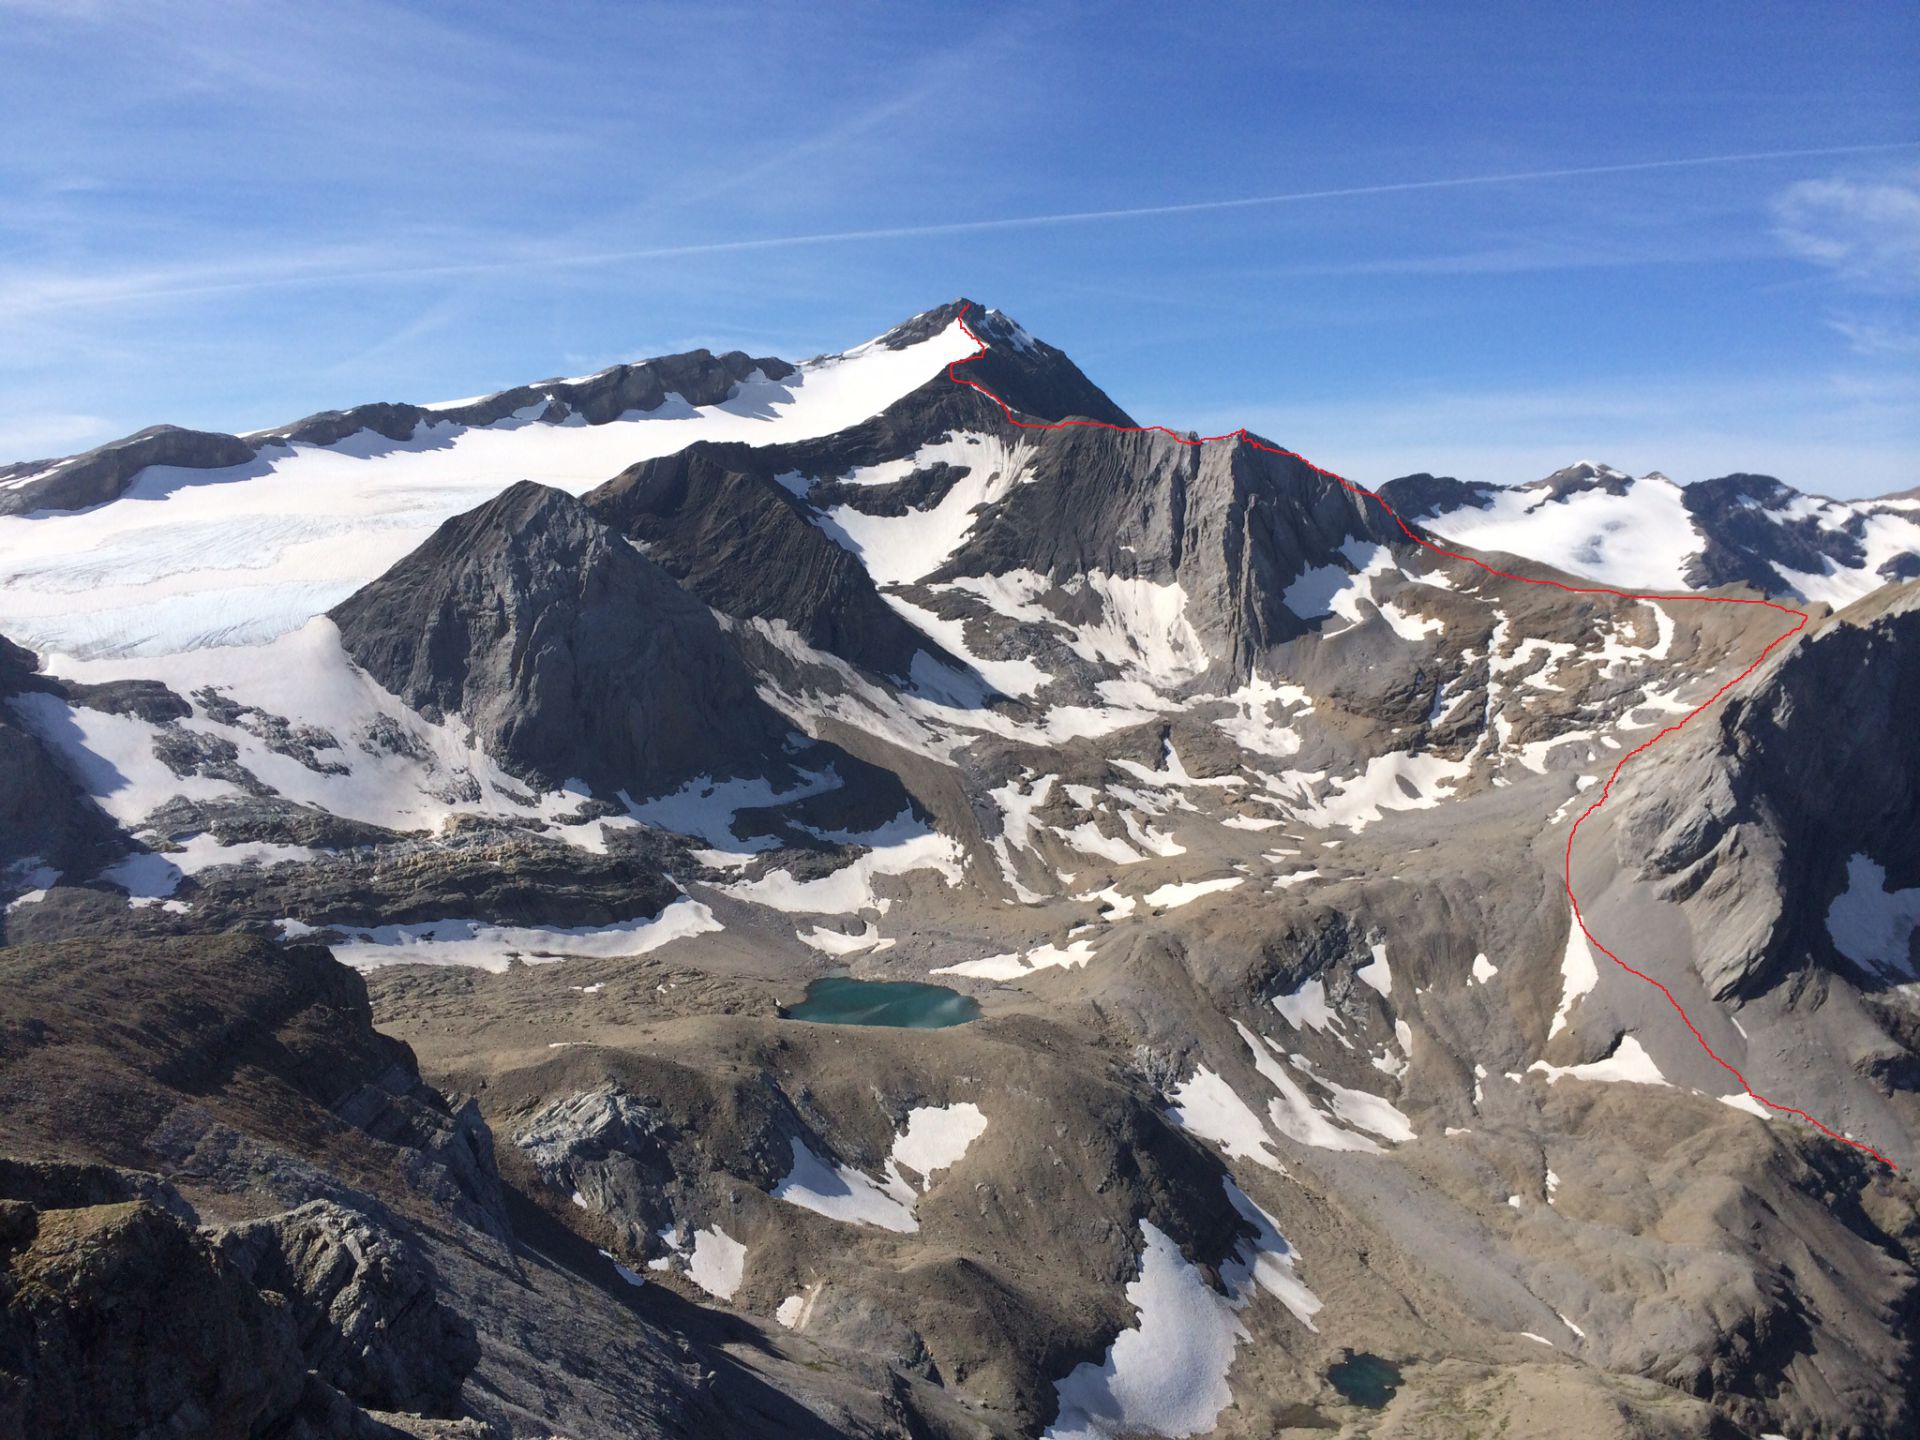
(1751, 530)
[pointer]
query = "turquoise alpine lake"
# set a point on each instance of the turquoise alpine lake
(907, 1004)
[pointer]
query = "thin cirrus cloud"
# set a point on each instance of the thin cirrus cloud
(31, 293)
(1866, 234)
(1866, 231)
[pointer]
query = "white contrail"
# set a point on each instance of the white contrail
(31, 295)
(1244, 202)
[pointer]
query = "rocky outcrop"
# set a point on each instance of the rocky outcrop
(362, 1302)
(47, 827)
(570, 654)
(716, 519)
(123, 1320)
(1751, 527)
(259, 1062)
(104, 473)
(1422, 496)
(698, 377)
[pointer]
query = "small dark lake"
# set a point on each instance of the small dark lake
(1365, 1380)
(907, 1004)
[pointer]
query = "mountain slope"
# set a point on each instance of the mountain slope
(718, 519)
(105, 473)
(567, 651)
(1806, 780)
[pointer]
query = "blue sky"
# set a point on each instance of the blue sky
(228, 215)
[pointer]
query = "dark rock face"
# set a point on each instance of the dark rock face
(714, 518)
(1031, 376)
(147, 700)
(1754, 819)
(569, 652)
(1232, 524)
(501, 877)
(362, 1302)
(122, 1320)
(699, 377)
(44, 819)
(1575, 479)
(1422, 496)
(104, 473)
(329, 427)
(1746, 535)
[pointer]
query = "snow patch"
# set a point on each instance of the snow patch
(718, 1262)
(840, 1192)
(1018, 965)
(1167, 1374)
(1210, 1108)
(1376, 973)
(1629, 1063)
(1173, 895)
(495, 947)
(898, 849)
(1872, 925)
(1578, 974)
(1293, 1113)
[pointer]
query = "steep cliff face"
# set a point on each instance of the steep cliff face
(568, 652)
(48, 828)
(1756, 821)
(717, 520)
(1233, 525)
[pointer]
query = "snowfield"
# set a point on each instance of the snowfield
(1639, 540)
(192, 558)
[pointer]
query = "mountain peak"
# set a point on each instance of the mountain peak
(1579, 476)
(567, 650)
(928, 323)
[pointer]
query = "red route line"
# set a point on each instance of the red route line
(1799, 618)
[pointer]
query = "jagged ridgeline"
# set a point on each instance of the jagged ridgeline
(871, 896)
